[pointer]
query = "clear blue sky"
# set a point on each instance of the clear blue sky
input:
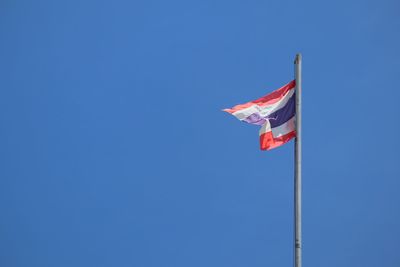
(115, 152)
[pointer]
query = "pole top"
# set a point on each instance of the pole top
(298, 58)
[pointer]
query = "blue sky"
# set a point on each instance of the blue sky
(115, 152)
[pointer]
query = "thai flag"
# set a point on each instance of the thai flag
(275, 113)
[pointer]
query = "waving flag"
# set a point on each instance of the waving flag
(275, 113)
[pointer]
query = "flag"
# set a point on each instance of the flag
(275, 113)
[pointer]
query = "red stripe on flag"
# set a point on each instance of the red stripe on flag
(267, 141)
(269, 99)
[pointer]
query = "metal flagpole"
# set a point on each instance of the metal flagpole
(297, 176)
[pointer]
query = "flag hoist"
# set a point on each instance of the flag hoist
(279, 115)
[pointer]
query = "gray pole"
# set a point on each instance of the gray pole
(297, 176)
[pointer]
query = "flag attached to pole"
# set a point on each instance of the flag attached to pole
(275, 113)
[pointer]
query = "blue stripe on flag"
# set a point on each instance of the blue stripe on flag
(284, 114)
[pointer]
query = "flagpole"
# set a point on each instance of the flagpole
(297, 177)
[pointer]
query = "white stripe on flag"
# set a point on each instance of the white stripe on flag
(285, 128)
(266, 127)
(263, 110)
